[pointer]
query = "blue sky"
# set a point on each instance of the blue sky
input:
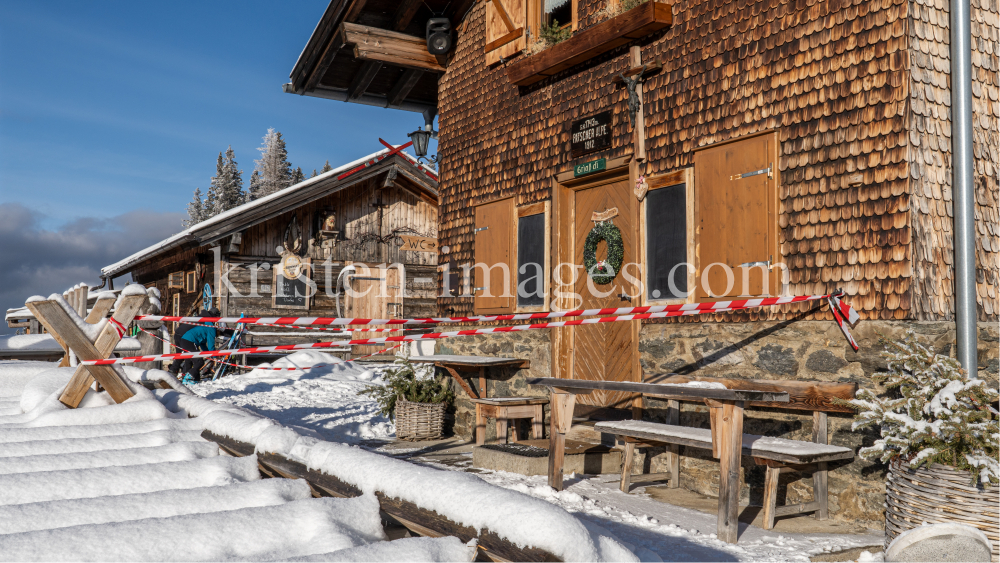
(109, 109)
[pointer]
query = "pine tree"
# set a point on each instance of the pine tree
(228, 183)
(297, 176)
(195, 210)
(326, 167)
(939, 415)
(314, 173)
(273, 170)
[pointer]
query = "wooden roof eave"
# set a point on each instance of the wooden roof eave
(318, 191)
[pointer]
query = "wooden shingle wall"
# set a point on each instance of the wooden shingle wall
(930, 169)
(833, 77)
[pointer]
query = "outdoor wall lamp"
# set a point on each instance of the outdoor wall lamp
(421, 137)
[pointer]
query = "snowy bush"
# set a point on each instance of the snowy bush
(402, 380)
(939, 415)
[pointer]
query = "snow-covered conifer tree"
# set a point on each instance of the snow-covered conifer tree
(273, 171)
(195, 210)
(326, 167)
(297, 176)
(228, 183)
(938, 415)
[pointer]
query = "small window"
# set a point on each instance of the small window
(175, 280)
(557, 13)
(190, 282)
(666, 243)
(532, 257)
(667, 212)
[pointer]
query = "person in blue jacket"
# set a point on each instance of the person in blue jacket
(195, 338)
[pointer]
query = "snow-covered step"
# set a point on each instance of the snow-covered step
(8, 435)
(62, 513)
(99, 443)
(87, 483)
(133, 411)
(448, 548)
(183, 451)
(294, 529)
(10, 410)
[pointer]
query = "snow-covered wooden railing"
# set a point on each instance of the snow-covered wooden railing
(90, 338)
(418, 520)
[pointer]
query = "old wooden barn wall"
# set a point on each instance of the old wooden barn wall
(834, 78)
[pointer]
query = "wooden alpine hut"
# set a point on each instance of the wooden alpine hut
(808, 140)
(284, 254)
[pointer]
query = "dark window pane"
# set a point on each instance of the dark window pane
(666, 242)
(531, 260)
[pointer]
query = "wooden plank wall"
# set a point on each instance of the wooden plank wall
(930, 171)
(832, 77)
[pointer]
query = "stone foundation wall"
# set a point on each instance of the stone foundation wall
(788, 350)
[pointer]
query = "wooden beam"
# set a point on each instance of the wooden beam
(58, 321)
(404, 14)
(802, 395)
(403, 86)
(610, 34)
(730, 449)
(354, 10)
(332, 48)
(502, 12)
(363, 79)
(504, 39)
(100, 310)
(372, 43)
(419, 520)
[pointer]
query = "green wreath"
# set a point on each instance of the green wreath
(598, 271)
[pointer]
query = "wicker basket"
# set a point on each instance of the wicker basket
(938, 494)
(419, 421)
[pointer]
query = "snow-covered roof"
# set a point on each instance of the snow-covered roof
(193, 233)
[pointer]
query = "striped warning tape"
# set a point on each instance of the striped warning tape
(839, 307)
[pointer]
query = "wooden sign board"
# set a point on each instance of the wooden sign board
(591, 134)
(292, 293)
(419, 244)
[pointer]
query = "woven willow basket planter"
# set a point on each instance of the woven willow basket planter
(938, 494)
(419, 421)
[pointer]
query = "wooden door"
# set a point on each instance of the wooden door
(494, 246)
(606, 351)
(377, 295)
(736, 204)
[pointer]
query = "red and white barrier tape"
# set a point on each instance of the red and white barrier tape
(216, 360)
(694, 308)
(839, 309)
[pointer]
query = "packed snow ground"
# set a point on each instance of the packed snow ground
(323, 399)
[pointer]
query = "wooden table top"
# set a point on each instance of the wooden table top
(476, 361)
(661, 390)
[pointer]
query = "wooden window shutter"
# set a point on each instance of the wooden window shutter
(736, 199)
(494, 247)
(504, 38)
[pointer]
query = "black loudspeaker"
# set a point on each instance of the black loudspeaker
(438, 36)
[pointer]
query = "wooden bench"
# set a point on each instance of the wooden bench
(503, 409)
(726, 407)
(779, 455)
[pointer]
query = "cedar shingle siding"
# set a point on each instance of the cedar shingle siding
(858, 92)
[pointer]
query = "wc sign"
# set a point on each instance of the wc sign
(419, 244)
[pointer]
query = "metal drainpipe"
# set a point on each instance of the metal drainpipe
(963, 191)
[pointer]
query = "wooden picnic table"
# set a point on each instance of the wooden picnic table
(455, 364)
(726, 409)
(504, 409)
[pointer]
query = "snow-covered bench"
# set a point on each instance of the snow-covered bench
(779, 455)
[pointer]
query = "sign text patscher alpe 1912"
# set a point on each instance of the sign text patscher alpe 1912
(591, 134)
